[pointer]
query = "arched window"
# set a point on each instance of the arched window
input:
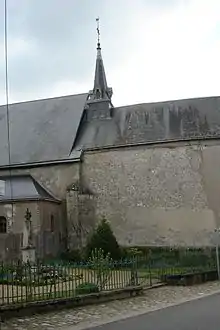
(3, 225)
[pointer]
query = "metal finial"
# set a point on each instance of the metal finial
(98, 31)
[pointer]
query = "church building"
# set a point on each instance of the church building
(152, 170)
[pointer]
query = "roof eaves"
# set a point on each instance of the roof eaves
(42, 163)
(152, 143)
(167, 101)
(15, 175)
(29, 199)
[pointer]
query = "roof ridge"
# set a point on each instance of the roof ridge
(168, 101)
(44, 99)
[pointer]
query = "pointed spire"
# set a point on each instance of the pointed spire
(100, 91)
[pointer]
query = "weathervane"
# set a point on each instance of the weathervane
(97, 29)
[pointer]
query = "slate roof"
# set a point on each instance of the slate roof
(45, 130)
(42, 130)
(162, 121)
(58, 129)
(23, 187)
(100, 89)
(100, 81)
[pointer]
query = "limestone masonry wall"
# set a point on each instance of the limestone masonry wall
(55, 178)
(163, 195)
(11, 243)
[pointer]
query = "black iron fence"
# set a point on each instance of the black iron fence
(21, 283)
(27, 282)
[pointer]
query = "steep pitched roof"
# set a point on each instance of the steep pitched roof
(23, 187)
(100, 81)
(100, 89)
(42, 130)
(99, 99)
(161, 121)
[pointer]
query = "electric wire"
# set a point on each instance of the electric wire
(7, 105)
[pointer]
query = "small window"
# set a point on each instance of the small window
(52, 223)
(3, 225)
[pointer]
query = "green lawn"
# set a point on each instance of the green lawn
(155, 273)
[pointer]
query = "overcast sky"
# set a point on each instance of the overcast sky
(152, 49)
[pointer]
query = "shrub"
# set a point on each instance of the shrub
(86, 288)
(100, 265)
(104, 239)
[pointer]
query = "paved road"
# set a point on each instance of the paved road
(200, 314)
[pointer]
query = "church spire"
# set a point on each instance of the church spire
(100, 90)
(101, 93)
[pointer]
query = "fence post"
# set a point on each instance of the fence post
(149, 266)
(134, 275)
(217, 261)
(217, 230)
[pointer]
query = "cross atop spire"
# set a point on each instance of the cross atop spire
(98, 33)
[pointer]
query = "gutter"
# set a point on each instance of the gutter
(105, 148)
(38, 164)
(29, 199)
(152, 143)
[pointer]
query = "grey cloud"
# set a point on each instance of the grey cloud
(63, 32)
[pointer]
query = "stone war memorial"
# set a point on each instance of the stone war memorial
(28, 249)
(151, 169)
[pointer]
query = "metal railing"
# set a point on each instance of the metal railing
(21, 283)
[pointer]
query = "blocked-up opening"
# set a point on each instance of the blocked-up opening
(52, 225)
(3, 225)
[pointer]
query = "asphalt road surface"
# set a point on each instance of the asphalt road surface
(200, 314)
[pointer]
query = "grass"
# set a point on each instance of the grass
(26, 292)
(156, 273)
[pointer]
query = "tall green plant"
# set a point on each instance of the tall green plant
(100, 265)
(103, 238)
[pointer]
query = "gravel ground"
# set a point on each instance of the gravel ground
(88, 316)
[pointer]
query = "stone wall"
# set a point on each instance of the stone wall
(158, 195)
(55, 178)
(81, 208)
(11, 242)
(52, 231)
(165, 194)
(47, 240)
